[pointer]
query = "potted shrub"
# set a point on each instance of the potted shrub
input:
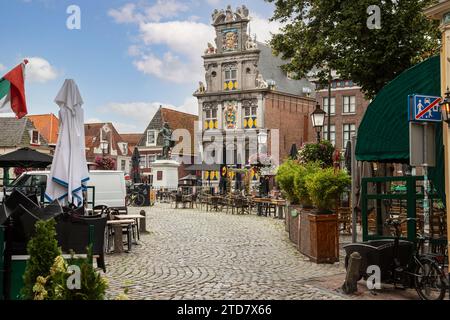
(300, 178)
(305, 171)
(324, 188)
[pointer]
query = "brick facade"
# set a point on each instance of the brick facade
(290, 115)
(341, 119)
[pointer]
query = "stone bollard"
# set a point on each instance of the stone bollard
(353, 274)
(143, 223)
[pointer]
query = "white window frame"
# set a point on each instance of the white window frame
(348, 132)
(38, 137)
(210, 116)
(149, 157)
(252, 114)
(155, 137)
(332, 133)
(143, 161)
(333, 105)
(347, 106)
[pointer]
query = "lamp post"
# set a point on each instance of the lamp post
(318, 119)
(445, 108)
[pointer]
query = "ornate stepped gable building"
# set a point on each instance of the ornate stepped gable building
(246, 92)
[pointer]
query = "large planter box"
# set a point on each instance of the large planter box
(304, 239)
(324, 237)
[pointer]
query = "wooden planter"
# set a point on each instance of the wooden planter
(294, 223)
(324, 238)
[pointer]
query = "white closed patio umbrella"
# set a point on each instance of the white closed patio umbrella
(69, 173)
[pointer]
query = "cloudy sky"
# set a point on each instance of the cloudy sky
(128, 58)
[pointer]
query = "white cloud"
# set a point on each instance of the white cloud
(182, 42)
(134, 50)
(186, 41)
(135, 116)
(132, 13)
(93, 120)
(263, 28)
(2, 67)
(214, 2)
(125, 14)
(120, 126)
(40, 70)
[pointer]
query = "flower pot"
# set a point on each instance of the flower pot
(324, 237)
(304, 239)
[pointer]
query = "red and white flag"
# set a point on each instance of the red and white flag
(12, 92)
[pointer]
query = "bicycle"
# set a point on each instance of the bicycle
(422, 272)
(135, 199)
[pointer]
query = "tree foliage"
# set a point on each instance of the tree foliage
(321, 152)
(333, 34)
(43, 249)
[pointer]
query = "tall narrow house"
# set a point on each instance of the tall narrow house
(246, 93)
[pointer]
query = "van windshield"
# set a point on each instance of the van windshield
(28, 183)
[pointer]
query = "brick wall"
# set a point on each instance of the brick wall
(290, 115)
(339, 119)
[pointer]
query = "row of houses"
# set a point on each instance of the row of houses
(245, 93)
(40, 132)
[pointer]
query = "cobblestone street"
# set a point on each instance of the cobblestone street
(191, 254)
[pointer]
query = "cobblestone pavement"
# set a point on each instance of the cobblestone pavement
(191, 254)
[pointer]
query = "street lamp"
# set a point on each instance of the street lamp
(318, 119)
(445, 107)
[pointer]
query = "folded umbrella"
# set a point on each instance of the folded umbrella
(69, 173)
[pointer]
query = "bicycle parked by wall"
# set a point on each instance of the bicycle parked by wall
(423, 271)
(402, 264)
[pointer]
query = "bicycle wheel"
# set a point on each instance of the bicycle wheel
(139, 200)
(128, 200)
(429, 280)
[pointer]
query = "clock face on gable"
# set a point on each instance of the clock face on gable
(230, 40)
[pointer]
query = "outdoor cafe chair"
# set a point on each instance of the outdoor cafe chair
(73, 235)
(128, 230)
(4, 214)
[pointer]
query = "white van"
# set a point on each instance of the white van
(110, 189)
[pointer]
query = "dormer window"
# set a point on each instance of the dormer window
(34, 137)
(124, 148)
(151, 138)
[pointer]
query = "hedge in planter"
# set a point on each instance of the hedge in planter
(325, 186)
(300, 189)
(286, 173)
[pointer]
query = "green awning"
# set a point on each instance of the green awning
(383, 135)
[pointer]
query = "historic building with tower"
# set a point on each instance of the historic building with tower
(245, 95)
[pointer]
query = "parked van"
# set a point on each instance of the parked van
(110, 189)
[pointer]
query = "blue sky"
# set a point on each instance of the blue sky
(128, 58)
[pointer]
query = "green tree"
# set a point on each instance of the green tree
(333, 34)
(43, 249)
